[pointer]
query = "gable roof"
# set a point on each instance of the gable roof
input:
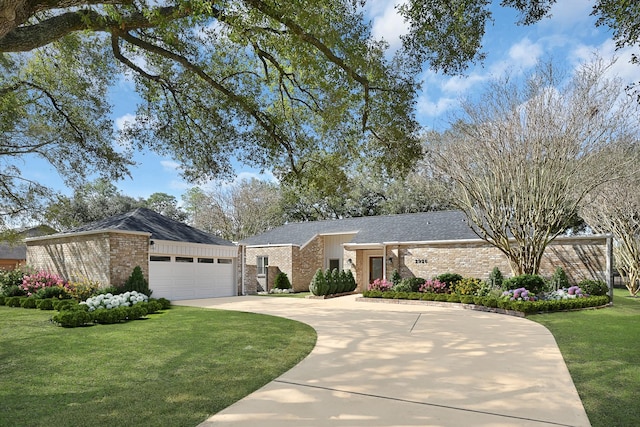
(159, 226)
(418, 227)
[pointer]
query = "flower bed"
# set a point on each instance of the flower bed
(503, 305)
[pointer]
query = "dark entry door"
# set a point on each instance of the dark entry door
(375, 268)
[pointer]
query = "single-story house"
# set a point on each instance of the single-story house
(179, 261)
(13, 252)
(417, 245)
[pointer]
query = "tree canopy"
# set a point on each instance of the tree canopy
(273, 84)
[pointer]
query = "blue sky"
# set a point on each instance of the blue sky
(567, 38)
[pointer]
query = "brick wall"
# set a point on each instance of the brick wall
(108, 258)
(310, 259)
(580, 258)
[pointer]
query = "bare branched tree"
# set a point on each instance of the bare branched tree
(523, 156)
(615, 209)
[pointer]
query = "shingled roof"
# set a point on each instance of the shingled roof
(418, 227)
(159, 226)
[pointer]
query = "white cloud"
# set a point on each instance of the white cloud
(122, 120)
(387, 24)
(169, 165)
(525, 54)
(428, 108)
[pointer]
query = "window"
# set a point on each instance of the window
(205, 260)
(225, 261)
(262, 263)
(158, 258)
(334, 264)
(183, 259)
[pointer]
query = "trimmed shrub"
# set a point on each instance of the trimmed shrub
(495, 278)
(165, 303)
(72, 318)
(45, 304)
(282, 281)
(372, 294)
(467, 299)
(414, 283)
(402, 287)
(135, 312)
(14, 291)
(449, 279)
(153, 306)
(319, 285)
(64, 304)
(137, 282)
(109, 316)
(28, 302)
(531, 282)
(441, 297)
(453, 298)
(13, 301)
(351, 281)
(594, 287)
(428, 296)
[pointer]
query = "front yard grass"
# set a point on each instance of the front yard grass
(174, 369)
(602, 351)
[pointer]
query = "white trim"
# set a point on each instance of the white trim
(269, 245)
(338, 233)
(479, 240)
(86, 233)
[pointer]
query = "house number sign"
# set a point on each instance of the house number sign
(420, 261)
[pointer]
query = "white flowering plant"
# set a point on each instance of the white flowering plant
(110, 301)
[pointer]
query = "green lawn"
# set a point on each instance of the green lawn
(602, 351)
(174, 369)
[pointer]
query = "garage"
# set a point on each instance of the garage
(191, 271)
(179, 261)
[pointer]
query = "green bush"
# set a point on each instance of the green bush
(372, 294)
(334, 282)
(449, 279)
(402, 287)
(45, 304)
(14, 291)
(137, 282)
(428, 296)
(395, 277)
(351, 282)
(388, 294)
(559, 279)
(594, 287)
(414, 295)
(282, 281)
(531, 282)
(109, 316)
(466, 286)
(13, 301)
(11, 279)
(495, 278)
(64, 304)
(165, 303)
(52, 292)
(113, 290)
(453, 298)
(319, 285)
(466, 299)
(491, 302)
(2, 297)
(152, 306)
(28, 302)
(441, 297)
(413, 282)
(135, 312)
(73, 318)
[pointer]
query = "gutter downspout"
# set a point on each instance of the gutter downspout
(384, 262)
(242, 258)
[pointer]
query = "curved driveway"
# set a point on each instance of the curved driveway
(408, 365)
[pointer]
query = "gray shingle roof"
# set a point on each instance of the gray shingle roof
(419, 227)
(160, 227)
(18, 250)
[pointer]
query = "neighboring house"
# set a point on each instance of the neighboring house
(14, 253)
(417, 245)
(179, 261)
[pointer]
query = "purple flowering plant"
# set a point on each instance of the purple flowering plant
(380, 285)
(520, 294)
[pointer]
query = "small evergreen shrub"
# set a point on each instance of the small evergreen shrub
(495, 278)
(72, 318)
(467, 299)
(45, 304)
(137, 282)
(13, 301)
(28, 302)
(594, 287)
(282, 281)
(441, 297)
(135, 312)
(14, 291)
(319, 285)
(449, 279)
(453, 298)
(351, 281)
(2, 297)
(153, 306)
(402, 287)
(395, 277)
(165, 303)
(113, 290)
(64, 304)
(532, 282)
(109, 316)
(335, 281)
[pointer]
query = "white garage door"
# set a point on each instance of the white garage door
(185, 277)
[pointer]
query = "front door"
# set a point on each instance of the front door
(375, 268)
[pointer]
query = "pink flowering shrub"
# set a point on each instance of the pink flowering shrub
(434, 287)
(380, 285)
(32, 283)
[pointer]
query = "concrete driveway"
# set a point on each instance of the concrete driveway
(408, 365)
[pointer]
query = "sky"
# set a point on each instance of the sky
(567, 38)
